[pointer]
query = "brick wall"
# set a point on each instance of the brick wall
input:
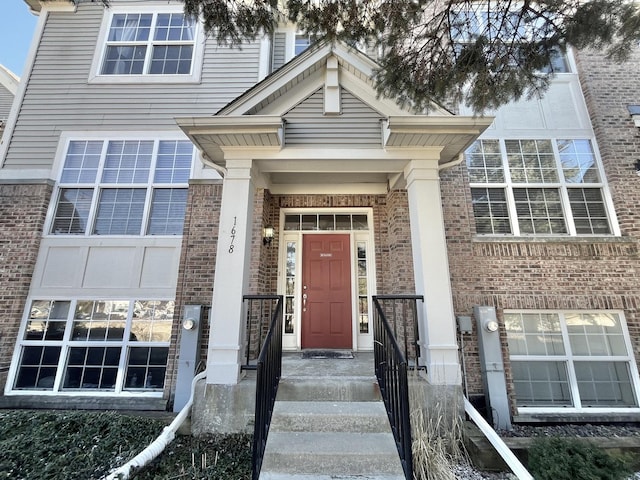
(197, 265)
(22, 213)
(578, 273)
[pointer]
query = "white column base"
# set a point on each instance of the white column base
(443, 367)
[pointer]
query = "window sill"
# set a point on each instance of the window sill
(56, 400)
(143, 79)
(553, 239)
(631, 414)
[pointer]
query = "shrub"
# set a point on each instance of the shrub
(570, 459)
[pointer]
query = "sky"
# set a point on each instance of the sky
(17, 25)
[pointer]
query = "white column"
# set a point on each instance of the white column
(437, 328)
(227, 333)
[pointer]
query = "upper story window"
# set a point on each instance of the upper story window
(537, 187)
(123, 187)
(287, 44)
(150, 45)
(154, 44)
(481, 20)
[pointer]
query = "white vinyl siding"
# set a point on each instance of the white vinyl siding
(58, 97)
(358, 123)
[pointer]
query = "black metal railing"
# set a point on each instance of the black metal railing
(258, 311)
(269, 369)
(401, 311)
(391, 372)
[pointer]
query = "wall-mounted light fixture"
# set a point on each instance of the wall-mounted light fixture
(634, 111)
(637, 165)
(267, 235)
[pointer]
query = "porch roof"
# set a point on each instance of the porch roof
(254, 126)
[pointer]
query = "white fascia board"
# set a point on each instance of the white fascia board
(438, 124)
(271, 85)
(9, 80)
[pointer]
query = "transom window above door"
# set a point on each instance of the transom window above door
(325, 221)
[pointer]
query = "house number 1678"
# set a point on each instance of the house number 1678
(233, 235)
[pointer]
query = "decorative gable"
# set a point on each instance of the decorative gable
(356, 124)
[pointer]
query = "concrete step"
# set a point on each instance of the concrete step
(287, 476)
(329, 389)
(295, 416)
(331, 454)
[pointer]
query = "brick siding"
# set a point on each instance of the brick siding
(557, 274)
(23, 209)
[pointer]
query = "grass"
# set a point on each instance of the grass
(87, 445)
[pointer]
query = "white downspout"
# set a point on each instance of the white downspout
(505, 452)
(156, 447)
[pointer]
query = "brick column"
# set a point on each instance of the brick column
(231, 281)
(439, 349)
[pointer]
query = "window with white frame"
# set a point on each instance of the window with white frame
(110, 346)
(571, 360)
(537, 187)
(149, 43)
(123, 187)
(478, 19)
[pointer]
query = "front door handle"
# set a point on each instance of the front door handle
(304, 301)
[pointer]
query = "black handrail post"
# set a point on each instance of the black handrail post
(391, 372)
(269, 371)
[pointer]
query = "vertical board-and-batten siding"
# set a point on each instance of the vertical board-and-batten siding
(60, 98)
(358, 124)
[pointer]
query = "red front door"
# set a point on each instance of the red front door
(326, 290)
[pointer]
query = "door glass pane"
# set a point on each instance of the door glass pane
(326, 222)
(289, 314)
(363, 307)
(343, 222)
(292, 222)
(360, 222)
(309, 222)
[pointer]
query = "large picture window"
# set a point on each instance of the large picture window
(149, 44)
(110, 346)
(123, 187)
(571, 360)
(537, 187)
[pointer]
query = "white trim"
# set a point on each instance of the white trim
(264, 61)
(66, 343)
(22, 87)
(106, 137)
(561, 184)
(9, 80)
(568, 358)
(198, 49)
